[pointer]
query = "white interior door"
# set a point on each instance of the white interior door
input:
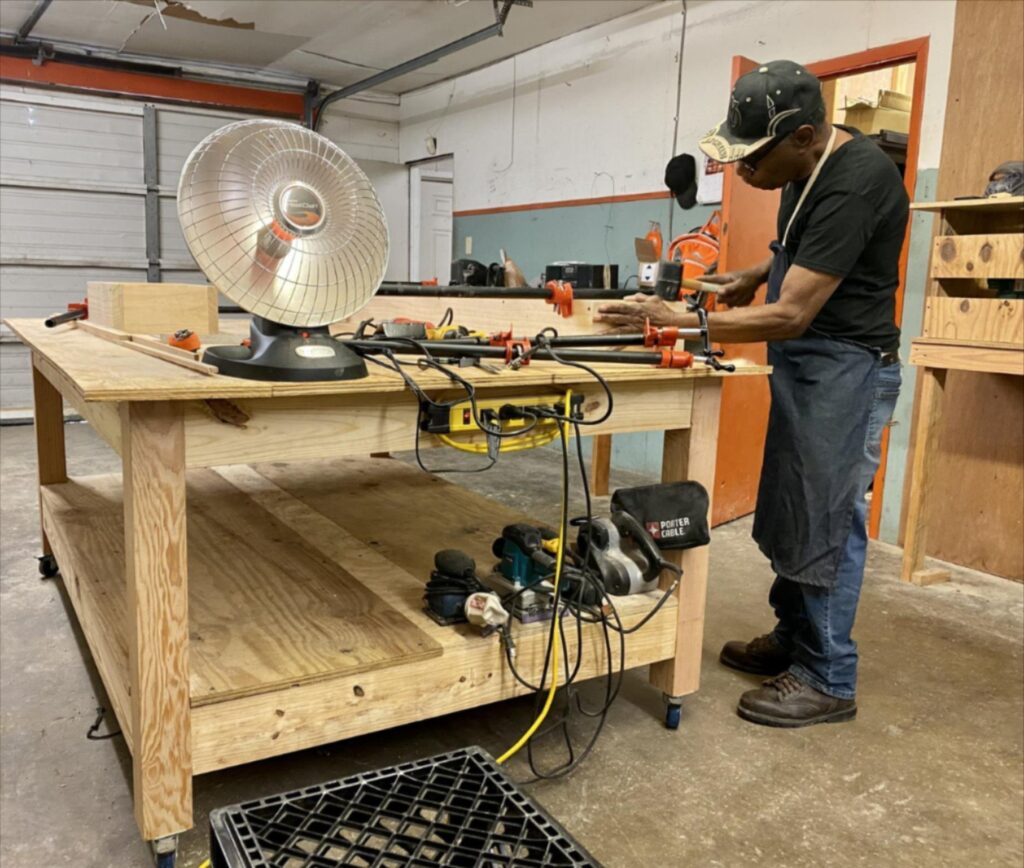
(435, 230)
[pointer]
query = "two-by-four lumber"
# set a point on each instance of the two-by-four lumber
(922, 472)
(690, 454)
(156, 564)
(49, 427)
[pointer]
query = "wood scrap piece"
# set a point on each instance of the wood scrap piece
(148, 346)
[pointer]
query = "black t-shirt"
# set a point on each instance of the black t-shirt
(852, 225)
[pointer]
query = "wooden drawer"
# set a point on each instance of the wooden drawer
(978, 256)
(992, 320)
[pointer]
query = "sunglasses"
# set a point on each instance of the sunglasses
(750, 163)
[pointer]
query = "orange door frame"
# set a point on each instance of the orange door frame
(112, 82)
(911, 51)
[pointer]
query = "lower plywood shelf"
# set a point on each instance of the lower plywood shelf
(305, 585)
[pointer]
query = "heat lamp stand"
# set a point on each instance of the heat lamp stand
(297, 354)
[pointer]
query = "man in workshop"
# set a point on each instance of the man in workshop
(829, 320)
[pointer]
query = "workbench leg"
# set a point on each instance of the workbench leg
(690, 454)
(922, 471)
(49, 425)
(600, 464)
(153, 450)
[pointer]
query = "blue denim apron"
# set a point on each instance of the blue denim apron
(822, 389)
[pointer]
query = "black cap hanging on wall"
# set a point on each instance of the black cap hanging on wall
(681, 179)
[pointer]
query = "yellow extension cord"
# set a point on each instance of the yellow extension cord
(512, 751)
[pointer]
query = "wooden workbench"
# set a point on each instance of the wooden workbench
(239, 608)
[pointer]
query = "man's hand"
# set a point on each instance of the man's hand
(626, 317)
(738, 287)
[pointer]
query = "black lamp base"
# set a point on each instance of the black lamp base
(287, 354)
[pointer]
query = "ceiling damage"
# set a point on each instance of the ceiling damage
(336, 43)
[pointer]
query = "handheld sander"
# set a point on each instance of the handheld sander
(621, 552)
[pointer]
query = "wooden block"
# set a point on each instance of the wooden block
(1000, 256)
(600, 464)
(992, 320)
(154, 308)
(929, 577)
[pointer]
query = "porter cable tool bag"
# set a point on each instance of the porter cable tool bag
(675, 514)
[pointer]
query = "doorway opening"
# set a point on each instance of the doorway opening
(879, 103)
(431, 199)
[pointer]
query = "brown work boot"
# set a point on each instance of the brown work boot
(786, 701)
(761, 656)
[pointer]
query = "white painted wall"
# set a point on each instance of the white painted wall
(366, 128)
(391, 181)
(593, 111)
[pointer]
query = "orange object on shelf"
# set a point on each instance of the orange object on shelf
(654, 236)
(184, 339)
(698, 251)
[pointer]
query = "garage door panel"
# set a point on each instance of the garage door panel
(15, 375)
(178, 132)
(54, 143)
(38, 291)
(70, 226)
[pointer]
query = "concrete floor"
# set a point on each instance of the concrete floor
(930, 773)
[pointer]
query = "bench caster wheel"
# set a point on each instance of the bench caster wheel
(48, 566)
(165, 852)
(673, 713)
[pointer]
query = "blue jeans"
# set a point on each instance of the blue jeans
(815, 623)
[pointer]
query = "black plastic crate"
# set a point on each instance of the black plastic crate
(454, 809)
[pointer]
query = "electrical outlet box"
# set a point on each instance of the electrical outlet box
(469, 245)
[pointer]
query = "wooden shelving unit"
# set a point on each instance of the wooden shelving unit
(966, 328)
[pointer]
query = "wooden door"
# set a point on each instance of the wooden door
(748, 217)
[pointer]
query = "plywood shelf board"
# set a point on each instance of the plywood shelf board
(272, 608)
(266, 609)
(1010, 203)
(103, 371)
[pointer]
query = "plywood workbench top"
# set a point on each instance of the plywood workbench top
(104, 371)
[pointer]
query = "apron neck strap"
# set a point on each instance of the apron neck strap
(810, 182)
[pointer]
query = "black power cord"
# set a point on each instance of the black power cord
(563, 604)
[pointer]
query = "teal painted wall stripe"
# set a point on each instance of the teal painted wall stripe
(588, 233)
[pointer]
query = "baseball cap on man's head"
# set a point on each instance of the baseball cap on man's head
(772, 100)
